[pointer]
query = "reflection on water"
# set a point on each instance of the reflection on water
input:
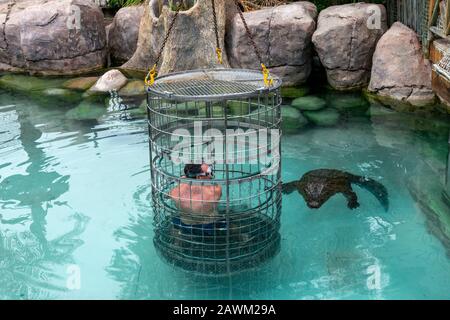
(25, 199)
(76, 191)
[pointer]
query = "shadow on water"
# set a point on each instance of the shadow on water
(28, 260)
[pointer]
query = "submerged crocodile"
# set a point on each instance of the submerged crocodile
(317, 186)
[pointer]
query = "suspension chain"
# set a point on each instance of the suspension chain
(268, 81)
(218, 49)
(152, 73)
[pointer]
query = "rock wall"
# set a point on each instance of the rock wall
(52, 36)
(345, 41)
(283, 37)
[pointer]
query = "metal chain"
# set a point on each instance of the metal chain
(218, 49)
(152, 73)
(247, 30)
(167, 36)
(215, 23)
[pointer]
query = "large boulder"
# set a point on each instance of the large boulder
(52, 36)
(123, 33)
(345, 41)
(401, 76)
(192, 43)
(283, 37)
(111, 80)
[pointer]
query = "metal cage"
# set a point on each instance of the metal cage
(228, 119)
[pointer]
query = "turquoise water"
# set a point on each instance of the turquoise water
(74, 200)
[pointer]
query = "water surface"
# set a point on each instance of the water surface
(74, 196)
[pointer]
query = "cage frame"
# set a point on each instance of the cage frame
(270, 222)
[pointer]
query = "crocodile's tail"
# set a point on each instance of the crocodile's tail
(376, 188)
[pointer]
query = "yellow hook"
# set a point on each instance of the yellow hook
(268, 81)
(219, 55)
(151, 75)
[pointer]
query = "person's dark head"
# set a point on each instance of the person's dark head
(196, 171)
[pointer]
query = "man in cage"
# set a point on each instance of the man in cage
(198, 201)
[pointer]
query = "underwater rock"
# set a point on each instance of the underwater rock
(292, 119)
(111, 80)
(123, 33)
(239, 108)
(401, 76)
(86, 110)
(52, 37)
(345, 41)
(133, 88)
(186, 48)
(324, 117)
(294, 92)
(27, 84)
(216, 111)
(348, 103)
(309, 103)
(80, 84)
(64, 95)
(283, 36)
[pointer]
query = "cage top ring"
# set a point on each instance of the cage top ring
(211, 84)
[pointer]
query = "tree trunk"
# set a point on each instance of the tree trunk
(192, 43)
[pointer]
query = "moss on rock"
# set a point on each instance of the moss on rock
(325, 117)
(294, 92)
(309, 103)
(80, 83)
(133, 88)
(292, 119)
(86, 110)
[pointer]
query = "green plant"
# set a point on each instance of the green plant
(321, 4)
(123, 3)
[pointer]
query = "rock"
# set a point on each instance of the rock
(353, 103)
(325, 117)
(283, 37)
(292, 119)
(133, 88)
(111, 80)
(80, 84)
(401, 76)
(52, 37)
(186, 48)
(123, 33)
(27, 84)
(309, 103)
(86, 110)
(345, 40)
(380, 111)
(294, 92)
(63, 95)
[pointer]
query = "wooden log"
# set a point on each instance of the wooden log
(435, 14)
(447, 18)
